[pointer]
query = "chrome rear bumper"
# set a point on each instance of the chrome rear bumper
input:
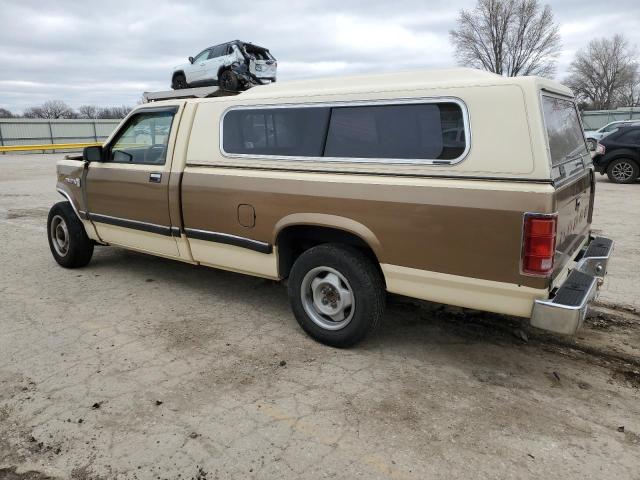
(566, 310)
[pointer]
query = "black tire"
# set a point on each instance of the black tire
(623, 170)
(69, 243)
(360, 278)
(179, 82)
(229, 81)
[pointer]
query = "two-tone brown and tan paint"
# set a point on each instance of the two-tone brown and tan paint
(465, 228)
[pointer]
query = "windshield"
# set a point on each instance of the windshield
(566, 140)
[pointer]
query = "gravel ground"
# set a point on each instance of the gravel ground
(137, 367)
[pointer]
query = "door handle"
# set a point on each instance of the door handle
(155, 177)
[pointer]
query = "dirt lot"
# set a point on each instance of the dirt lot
(138, 368)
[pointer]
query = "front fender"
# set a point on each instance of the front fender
(69, 184)
(70, 175)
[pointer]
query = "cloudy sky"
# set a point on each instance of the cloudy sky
(108, 52)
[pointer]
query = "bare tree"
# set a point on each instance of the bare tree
(508, 37)
(630, 92)
(56, 109)
(604, 73)
(114, 112)
(51, 109)
(4, 113)
(88, 111)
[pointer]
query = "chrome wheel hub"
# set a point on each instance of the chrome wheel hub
(59, 235)
(327, 298)
(622, 171)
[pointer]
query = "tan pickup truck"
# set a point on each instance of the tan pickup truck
(455, 186)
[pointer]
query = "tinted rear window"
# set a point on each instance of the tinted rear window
(566, 140)
(296, 132)
(218, 51)
(430, 131)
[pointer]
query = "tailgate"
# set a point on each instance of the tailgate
(572, 176)
(574, 204)
(263, 68)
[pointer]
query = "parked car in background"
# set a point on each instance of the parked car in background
(594, 136)
(233, 66)
(618, 155)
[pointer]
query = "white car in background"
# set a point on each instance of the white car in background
(232, 66)
(594, 136)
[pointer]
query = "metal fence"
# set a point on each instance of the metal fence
(593, 120)
(28, 131)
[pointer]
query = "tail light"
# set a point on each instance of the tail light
(538, 243)
(600, 149)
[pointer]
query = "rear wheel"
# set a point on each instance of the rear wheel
(69, 243)
(229, 81)
(623, 170)
(179, 81)
(337, 294)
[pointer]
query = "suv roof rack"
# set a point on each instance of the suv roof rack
(200, 92)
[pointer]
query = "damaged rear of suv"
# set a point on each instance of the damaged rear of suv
(233, 66)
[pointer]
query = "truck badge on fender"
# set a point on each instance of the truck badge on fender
(72, 181)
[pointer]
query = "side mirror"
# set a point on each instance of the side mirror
(191, 60)
(92, 154)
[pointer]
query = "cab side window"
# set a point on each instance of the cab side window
(143, 140)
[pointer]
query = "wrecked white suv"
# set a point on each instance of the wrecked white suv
(233, 66)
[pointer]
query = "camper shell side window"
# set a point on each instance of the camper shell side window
(434, 131)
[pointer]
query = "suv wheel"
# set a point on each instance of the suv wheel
(623, 170)
(179, 82)
(229, 81)
(69, 243)
(337, 294)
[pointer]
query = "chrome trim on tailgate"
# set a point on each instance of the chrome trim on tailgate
(582, 284)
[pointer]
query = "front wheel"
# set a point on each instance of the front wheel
(623, 170)
(337, 294)
(69, 243)
(179, 82)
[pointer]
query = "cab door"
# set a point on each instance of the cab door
(127, 193)
(197, 70)
(212, 65)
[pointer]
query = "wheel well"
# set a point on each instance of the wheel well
(294, 240)
(625, 155)
(222, 69)
(175, 74)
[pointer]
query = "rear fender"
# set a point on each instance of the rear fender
(624, 153)
(330, 221)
